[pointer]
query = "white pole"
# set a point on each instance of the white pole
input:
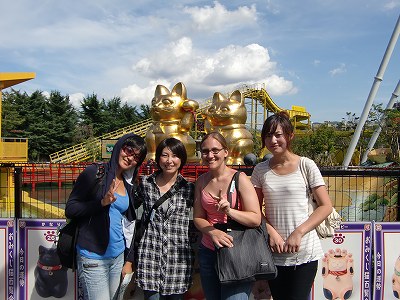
(378, 130)
(372, 94)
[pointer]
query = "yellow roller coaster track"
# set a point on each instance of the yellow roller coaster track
(298, 114)
(257, 93)
(91, 148)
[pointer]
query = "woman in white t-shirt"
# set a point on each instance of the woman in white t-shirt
(281, 189)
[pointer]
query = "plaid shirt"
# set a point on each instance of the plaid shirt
(165, 257)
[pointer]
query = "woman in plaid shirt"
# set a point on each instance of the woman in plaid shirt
(165, 257)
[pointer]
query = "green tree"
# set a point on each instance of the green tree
(48, 123)
(10, 116)
(62, 121)
(100, 117)
(320, 145)
(390, 135)
(35, 114)
(145, 112)
(91, 114)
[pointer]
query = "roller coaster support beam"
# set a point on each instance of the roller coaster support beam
(378, 130)
(372, 94)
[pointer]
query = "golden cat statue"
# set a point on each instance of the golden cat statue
(173, 116)
(228, 117)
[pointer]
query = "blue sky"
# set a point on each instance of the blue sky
(321, 54)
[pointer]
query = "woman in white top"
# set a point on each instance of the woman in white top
(281, 189)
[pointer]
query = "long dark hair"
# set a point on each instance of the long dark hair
(129, 139)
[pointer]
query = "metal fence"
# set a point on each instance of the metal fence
(41, 190)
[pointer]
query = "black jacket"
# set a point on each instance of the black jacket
(84, 204)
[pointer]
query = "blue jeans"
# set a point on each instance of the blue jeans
(151, 295)
(100, 278)
(212, 288)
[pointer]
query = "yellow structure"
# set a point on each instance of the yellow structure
(92, 148)
(258, 105)
(13, 149)
(173, 116)
(261, 104)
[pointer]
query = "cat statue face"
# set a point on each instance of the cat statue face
(173, 116)
(227, 111)
(228, 116)
(171, 106)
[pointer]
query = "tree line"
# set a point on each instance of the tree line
(52, 123)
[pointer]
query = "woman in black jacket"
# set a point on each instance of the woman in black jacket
(102, 203)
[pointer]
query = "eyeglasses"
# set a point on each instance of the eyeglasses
(130, 151)
(214, 151)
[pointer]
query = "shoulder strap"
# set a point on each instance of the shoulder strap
(235, 180)
(303, 170)
(160, 201)
(100, 170)
(99, 178)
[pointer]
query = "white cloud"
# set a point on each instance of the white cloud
(276, 85)
(46, 94)
(235, 63)
(218, 17)
(390, 5)
(76, 99)
(339, 70)
(273, 7)
(136, 95)
(204, 74)
(167, 62)
(316, 62)
(228, 65)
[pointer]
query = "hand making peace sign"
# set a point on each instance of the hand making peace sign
(109, 197)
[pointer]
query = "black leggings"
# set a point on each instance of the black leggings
(294, 283)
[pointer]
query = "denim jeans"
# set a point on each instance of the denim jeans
(151, 295)
(212, 288)
(100, 278)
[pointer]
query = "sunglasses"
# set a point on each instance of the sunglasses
(130, 151)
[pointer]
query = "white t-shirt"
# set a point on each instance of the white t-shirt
(286, 208)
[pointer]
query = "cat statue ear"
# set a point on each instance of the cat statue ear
(161, 90)
(237, 96)
(180, 89)
(218, 97)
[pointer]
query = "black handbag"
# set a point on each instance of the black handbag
(250, 258)
(66, 244)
